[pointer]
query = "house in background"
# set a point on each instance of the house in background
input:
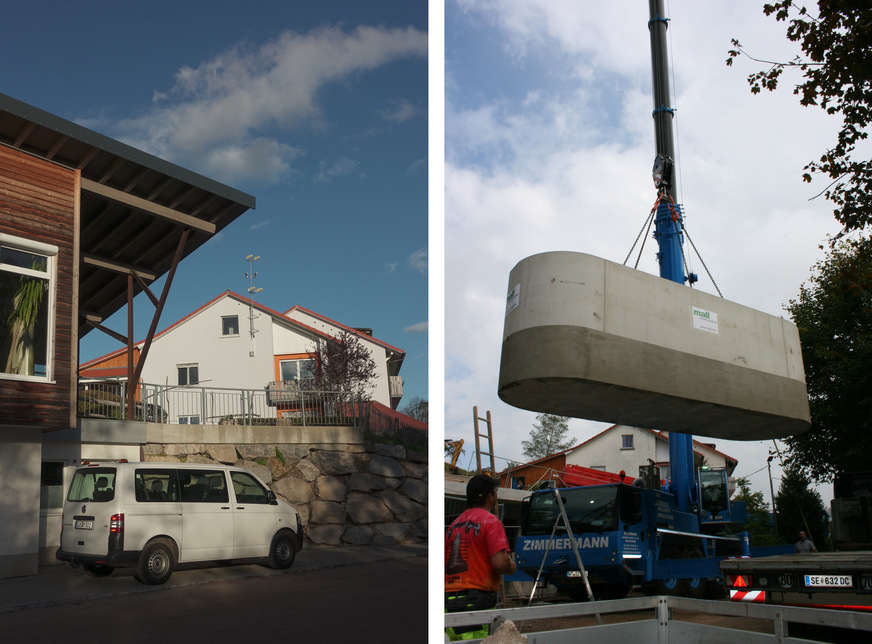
(234, 343)
(86, 223)
(617, 448)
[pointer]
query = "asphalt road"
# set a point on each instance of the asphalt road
(380, 601)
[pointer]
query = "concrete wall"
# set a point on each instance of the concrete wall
(20, 450)
(588, 338)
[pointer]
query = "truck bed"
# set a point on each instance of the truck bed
(848, 562)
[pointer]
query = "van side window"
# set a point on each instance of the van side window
(156, 486)
(204, 486)
(248, 489)
(93, 484)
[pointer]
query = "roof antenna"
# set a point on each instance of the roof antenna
(252, 291)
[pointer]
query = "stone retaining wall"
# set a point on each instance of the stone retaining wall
(347, 494)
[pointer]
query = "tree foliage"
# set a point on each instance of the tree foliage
(834, 317)
(836, 68)
(759, 523)
(549, 435)
(799, 507)
(344, 365)
(417, 408)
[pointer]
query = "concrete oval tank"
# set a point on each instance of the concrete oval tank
(588, 338)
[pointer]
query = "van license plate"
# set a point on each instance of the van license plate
(573, 573)
(84, 525)
(828, 581)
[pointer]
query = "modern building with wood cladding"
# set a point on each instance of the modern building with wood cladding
(86, 223)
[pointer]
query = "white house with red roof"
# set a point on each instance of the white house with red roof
(619, 447)
(233, 343)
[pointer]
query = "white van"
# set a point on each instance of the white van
(154, 515)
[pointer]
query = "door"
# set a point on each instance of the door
(253, 516)
(207, 516)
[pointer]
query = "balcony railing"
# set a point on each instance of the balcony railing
(218, 406)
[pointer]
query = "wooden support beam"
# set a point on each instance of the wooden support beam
(146, 206)
(118, 267)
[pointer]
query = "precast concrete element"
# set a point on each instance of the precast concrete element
(588, 338)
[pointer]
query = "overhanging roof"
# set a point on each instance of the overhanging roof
(134, 206)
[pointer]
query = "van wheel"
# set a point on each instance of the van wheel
(155, 564)
(98, 570)
(282, 552)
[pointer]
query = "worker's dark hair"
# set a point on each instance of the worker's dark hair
(478, 488)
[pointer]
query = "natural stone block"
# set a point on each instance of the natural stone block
(417, 456)
(357, 535)
(307, 470)
(199, 458)
(366, 482)
(415, 470)
(162, 458)
(182, 449)
(152, 449)
(260, 471)
(330, 488)
(403, 508)
(391, 533)
(393, 484)
(385, 466)
(327, 535)
(415, 490)
(364, 509)
(335, 463)
(250, 452)
(393, 451)
(326, 512)
(222, 453)
(279, 469)
(294, 490)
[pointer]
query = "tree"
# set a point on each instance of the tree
(834, 317)
(548, 436)
(799, 507)
(343, 365)
(837, 73)
(417, 408)
(759, 519)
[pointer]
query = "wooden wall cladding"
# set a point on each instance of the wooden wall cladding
(39, 201)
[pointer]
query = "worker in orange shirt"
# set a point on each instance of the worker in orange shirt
(476, 554)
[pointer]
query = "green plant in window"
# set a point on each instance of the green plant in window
(22, 321)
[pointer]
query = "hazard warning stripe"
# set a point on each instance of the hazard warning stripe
(758, 596)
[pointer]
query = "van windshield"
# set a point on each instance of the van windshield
(94, 484)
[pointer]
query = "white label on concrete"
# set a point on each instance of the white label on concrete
(704, 320)
(513, 300)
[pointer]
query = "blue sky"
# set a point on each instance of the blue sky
(549, 146)
(319, 110)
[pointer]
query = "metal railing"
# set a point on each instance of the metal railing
(217, 406)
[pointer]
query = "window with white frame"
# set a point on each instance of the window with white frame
(229, 325)
(626, 441)
(189, 420)
(296, 370)
(189, 374)
(27, 294)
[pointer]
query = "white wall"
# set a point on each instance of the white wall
(20, 452)
(224, 361)
(605, 450)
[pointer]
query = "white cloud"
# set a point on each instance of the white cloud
(339, 168)
(568, 168)
(420, 327)
(418, 260)
(400, 111)
(211, 117)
